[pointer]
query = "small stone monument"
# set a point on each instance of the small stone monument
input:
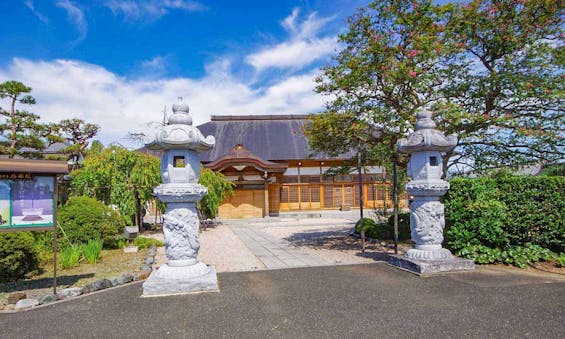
(426, 211)
(180, 170)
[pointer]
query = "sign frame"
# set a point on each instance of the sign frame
(30, 227)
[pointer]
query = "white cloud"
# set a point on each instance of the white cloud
(76, 17)
(150, 10)
(154, 67)
(29, 4)
(295, 54)
(303, 47)
(289, 23)
(120, 105)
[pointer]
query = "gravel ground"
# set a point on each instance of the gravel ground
(323, 238)
(221, 248)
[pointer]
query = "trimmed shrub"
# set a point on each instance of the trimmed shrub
(403, 226)
(43, 244)
(385, 231)
(84, 219)
(510, 219)
(366, 224)
(115, 242)
(143, 242)
(560, 262)
(18, 256)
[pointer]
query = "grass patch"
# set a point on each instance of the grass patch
(69, 256)
(91, 250)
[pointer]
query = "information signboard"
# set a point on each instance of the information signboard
(27, 202)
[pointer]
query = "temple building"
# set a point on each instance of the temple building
(268, 159)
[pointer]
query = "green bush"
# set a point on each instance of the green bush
(403, 226)
(114, 242)
(366, 223)
(84, 218)
(385, 231)
(18, 256)
(43, 244)
(69, 256)
(91, 250)
(560, 262)
(503, 218)
(218, 188)
(554, 170)
(143, 242)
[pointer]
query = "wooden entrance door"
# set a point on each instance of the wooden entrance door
(244, 203)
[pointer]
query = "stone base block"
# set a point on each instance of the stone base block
(170, 280)
(425, 267)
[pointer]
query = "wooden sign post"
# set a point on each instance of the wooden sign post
(28, 198)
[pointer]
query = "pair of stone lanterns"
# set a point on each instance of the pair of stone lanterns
(427, 220)
(180, 170)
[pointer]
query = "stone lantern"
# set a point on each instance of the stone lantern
(427, 221)
(181, 144)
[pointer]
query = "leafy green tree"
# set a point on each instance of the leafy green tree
(382, 76)
(509, 82)
(22, 132)
(119, 177)
(492, 71)
(218, 188)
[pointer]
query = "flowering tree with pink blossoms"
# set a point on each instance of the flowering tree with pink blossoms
(491, 71)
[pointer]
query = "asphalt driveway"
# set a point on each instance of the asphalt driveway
(356, 301)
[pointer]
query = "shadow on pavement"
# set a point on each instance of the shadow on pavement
(28, 284)
(339, 240)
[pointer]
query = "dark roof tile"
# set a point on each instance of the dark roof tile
(271, 137)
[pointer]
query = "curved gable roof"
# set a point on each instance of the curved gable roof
(270, 137)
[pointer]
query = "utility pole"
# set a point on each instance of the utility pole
(360, 180)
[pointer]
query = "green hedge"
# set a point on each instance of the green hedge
(510, 219)
(84, 219)
(18, 256)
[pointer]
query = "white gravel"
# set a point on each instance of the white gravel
(323, 238)
(221, 248)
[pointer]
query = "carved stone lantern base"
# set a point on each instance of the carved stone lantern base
(169, 280)
(430, 266)
(182, 273)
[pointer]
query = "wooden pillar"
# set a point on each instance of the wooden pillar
(321, 185)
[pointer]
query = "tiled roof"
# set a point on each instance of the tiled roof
(271, 137)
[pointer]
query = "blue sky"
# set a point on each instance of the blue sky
(117, 63)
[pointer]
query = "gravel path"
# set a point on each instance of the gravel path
(323, 240)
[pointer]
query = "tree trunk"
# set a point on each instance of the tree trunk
(445, 161)
(138, 212)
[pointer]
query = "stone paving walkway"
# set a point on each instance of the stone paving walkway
(275, 253)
